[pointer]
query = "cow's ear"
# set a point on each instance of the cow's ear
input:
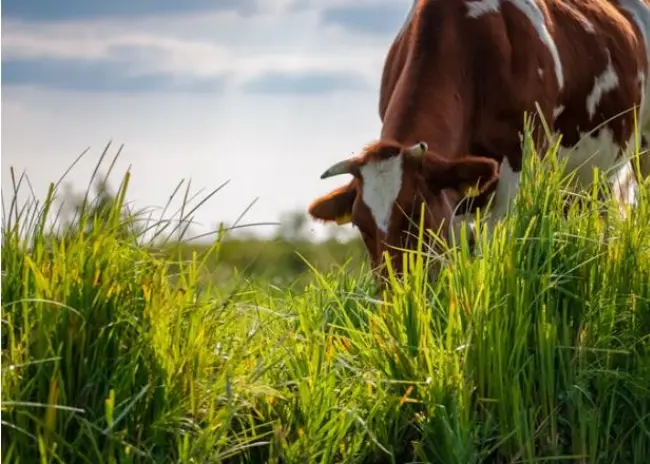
(336, 206)
(473, 175)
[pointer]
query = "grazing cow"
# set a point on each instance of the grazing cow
(456, 83)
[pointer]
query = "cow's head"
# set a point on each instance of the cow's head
(390, 183)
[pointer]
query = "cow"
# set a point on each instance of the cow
(457, 80)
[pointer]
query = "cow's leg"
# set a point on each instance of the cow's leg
(624, 187)
(627, 181)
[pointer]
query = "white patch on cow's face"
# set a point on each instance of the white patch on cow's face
(536, 17)
(557, 112)
(604, 83)
(478, 8)
(382, 182)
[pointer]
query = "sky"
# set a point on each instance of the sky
(265, 94)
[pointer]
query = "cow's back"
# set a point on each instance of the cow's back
(395, 61)
(583, 62)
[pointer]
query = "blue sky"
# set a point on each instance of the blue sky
(264, 93)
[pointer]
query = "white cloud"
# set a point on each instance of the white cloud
(204, 45)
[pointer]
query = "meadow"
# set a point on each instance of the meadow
(535, 348)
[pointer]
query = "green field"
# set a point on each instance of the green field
(536, 349)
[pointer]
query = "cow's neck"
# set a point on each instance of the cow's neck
(438, 118)
(430, 101)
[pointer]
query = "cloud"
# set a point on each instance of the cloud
(47, 10)
(383, 19)
(93, 76)
(239, 52)
(83, 9)
(308, 83)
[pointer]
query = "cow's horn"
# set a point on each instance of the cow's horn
(419, 149)
(342, 167)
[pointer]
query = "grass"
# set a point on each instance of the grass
(536, 350)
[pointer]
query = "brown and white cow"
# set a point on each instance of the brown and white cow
(456, 83)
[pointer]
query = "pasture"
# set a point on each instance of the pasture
(536, 349)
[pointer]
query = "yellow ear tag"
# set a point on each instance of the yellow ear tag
(343, 219)
(471, 191)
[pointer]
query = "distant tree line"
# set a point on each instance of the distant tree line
(278, 259)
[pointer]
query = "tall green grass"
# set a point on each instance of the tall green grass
(536, 350)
